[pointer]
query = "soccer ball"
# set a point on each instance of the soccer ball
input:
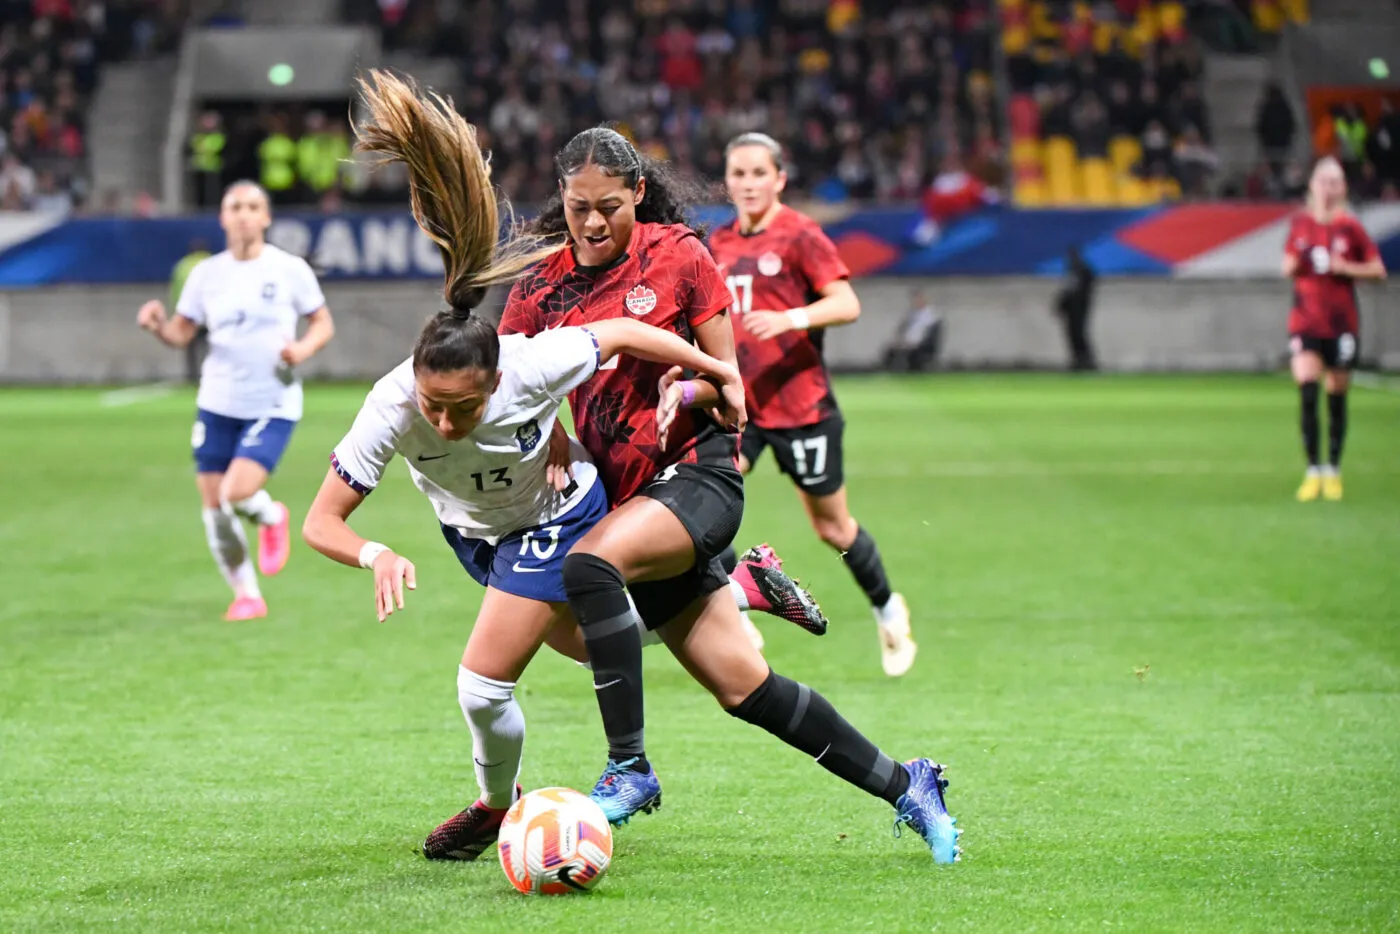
(554, 841)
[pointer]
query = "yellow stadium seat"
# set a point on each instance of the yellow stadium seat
(1061, 171)
(1015, 40)
(1097, 183)
(1031, 193)
(1124, 152)
(1134, 192)
(1025, 152)
(1296, 10)
(1059, 153)
(1165, 189)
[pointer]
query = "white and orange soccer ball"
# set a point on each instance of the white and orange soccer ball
(554, 841)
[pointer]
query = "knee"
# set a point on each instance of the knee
(585, 573)
(481, 697)
(838, 533)
(233, 492)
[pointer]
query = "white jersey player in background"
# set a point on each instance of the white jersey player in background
(250, 297)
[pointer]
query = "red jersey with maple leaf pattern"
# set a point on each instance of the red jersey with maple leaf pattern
(784, 265)
(666, 278)
(1324, 304)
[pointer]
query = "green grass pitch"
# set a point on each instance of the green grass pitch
(1168, 694)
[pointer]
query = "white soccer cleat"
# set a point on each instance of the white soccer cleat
(897, 647)
(752, 631)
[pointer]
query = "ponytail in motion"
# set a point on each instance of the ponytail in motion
(456, 206)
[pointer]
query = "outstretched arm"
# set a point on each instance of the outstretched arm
(174, 332)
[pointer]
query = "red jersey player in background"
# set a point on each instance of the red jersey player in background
(1326, 252)
(788, 285)
(671, 477)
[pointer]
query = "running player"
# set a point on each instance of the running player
(250, 298)
(470, 414)
(788, 285)
(671, 476)
(1326, 252)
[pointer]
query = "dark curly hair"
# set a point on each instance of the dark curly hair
(668, 198)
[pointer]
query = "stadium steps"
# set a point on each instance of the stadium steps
(1232, 88)
(440, 74)
(297, 13)
(1370, 10)
(128, 121)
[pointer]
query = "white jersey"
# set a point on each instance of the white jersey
(492, 482)
(251, 309)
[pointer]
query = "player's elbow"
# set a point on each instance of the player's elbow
(313, 529)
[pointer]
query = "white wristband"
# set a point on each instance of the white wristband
(369, 551)
(799, 318)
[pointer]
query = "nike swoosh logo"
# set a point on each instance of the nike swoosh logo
(519, 570)
(424, 457)
(488, 765)
(813, 481)
(599, 687)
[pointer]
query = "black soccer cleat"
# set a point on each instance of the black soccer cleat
(467, 835)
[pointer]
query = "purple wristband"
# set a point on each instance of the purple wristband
(687, 393)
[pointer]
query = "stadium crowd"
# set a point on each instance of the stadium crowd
(51, 52)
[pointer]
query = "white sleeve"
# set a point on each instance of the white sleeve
(561, 358)
(191, 301)
(306, 291)
(363, 454)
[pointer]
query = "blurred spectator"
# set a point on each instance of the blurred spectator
(49, 198)
(1349, 125)
(206, 152)
(917, 342)
(1195, 163)
(1384, 145)
(17, 183)
(1275, 125)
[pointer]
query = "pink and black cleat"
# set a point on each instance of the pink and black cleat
(770, 590)
(275, 543)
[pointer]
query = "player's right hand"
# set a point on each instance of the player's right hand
(151, 317)
(732, 413)
(391, 573)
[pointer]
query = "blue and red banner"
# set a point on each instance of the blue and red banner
(1195, 240)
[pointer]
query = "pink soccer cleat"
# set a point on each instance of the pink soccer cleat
(274, 544)
(769, 590)
(244, 608)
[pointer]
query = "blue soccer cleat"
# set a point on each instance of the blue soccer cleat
(923, 810)
(622, 791)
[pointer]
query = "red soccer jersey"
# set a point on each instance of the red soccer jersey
(783, 266)
(1324, 304)
(666, 279)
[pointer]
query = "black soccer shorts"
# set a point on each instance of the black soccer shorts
(1337, 353)
(810, 455)
(709, 500)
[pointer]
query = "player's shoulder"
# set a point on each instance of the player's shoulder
(289, 261)
(791, 219)
(667, 239)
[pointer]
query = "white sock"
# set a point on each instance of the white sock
(740, 597)
(260, 508)
(1330, 470)
(891, 613)
(224, 532)
(498, 734)
(1314, 471)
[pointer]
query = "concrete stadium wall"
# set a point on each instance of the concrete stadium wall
(88, 334)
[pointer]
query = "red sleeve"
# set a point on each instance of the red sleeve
(1364, 249)
(701, 292)
(1289, 249)
(820, 262)
(522, 314)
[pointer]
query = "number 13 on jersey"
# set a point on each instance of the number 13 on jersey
(741, 287)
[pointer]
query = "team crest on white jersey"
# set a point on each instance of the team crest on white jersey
(528, 436)
(269, 291)
(641, 300)
(770, 264)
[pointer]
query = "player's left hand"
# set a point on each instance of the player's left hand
(765, 325)
(1340, 265)
(294, 353)
(559, 465)
(669, 403)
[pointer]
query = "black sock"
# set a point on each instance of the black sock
(805, 720)
(863, 558)
(1336, 426)
(599, 601)
(1307, 393)
(730, 559)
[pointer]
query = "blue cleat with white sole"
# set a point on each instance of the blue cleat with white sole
(922, 809)
(622, 791)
